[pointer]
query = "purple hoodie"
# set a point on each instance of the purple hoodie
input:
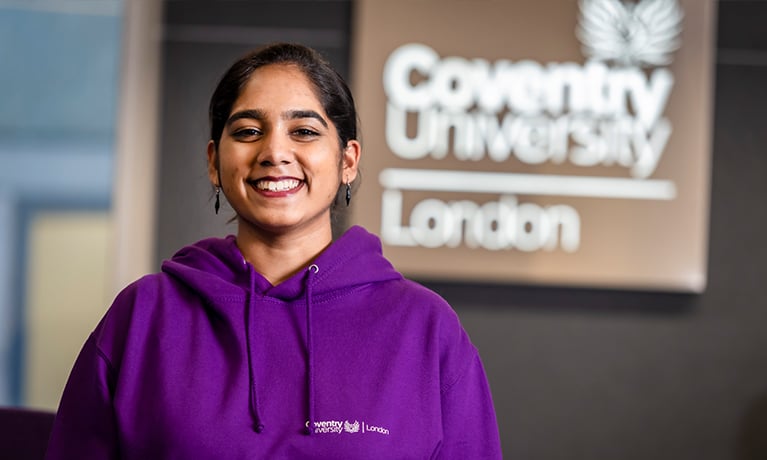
(345, 360)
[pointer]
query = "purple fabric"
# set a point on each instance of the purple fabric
(207, 360)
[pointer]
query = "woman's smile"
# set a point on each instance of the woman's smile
(281, 186)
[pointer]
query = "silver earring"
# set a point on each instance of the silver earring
(217, 205)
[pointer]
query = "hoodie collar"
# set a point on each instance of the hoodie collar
(216, 269)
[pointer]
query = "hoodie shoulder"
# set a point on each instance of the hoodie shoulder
(209, 272)
(456, 349)
(438, 319)
(111, 333)
(419, 296)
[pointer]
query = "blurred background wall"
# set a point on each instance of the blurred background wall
(58, 93)
(575, 373)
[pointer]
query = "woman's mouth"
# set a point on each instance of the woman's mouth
(276, 185)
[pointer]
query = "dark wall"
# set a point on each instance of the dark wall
(576, 373)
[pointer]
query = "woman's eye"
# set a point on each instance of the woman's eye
(305, 132)
(246, 133)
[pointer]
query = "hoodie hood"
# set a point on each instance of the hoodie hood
(217, 271)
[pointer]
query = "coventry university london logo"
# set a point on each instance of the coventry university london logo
(345, 426)
(607, 111)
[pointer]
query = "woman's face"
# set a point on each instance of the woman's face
(279, 162)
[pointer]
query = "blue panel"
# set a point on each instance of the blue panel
(58, 74)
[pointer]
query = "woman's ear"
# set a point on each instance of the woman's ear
(213, 175)
(351, 160)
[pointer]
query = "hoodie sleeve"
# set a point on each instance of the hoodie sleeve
(85, 422)
(469, 425)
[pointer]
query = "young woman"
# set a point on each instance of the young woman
(278, 343)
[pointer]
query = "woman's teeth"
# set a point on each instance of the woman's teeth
(277, 186)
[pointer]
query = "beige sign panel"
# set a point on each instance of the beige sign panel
(538, 141)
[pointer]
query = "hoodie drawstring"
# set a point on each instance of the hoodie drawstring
(313, 269)
(258, 427)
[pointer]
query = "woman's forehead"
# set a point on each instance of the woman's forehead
(280, 83)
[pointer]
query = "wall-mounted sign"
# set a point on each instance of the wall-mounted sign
(543, 141)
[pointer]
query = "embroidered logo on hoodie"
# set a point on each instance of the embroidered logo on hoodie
(338, 427)
(351, 427)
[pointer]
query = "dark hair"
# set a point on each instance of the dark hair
(331, 90)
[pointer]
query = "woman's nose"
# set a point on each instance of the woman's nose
(275, 150)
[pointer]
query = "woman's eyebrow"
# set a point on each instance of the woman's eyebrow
(255, 114)
(260, 115)
(297, 114)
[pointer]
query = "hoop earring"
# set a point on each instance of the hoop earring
(348, 193)
(217, 204)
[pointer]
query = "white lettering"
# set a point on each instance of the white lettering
(649, 150)
(649, 98)
(328, 426)
(453, 84)
(491, 92)
(376, 429)
(504, 224)
(587, 114)
(527, 90)
(581, 140)
(431, 222)
(525, 87)
(398, 73)
(398, 140)
(391, 229)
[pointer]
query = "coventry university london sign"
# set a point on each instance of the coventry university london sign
(538, 141)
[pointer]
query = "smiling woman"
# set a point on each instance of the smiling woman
(280, 165)
(279, 342)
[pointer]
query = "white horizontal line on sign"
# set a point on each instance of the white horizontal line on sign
(527, 184)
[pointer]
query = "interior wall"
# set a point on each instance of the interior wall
(575, 373)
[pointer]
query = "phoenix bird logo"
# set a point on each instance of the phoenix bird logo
(351, 427)
(642, 34)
